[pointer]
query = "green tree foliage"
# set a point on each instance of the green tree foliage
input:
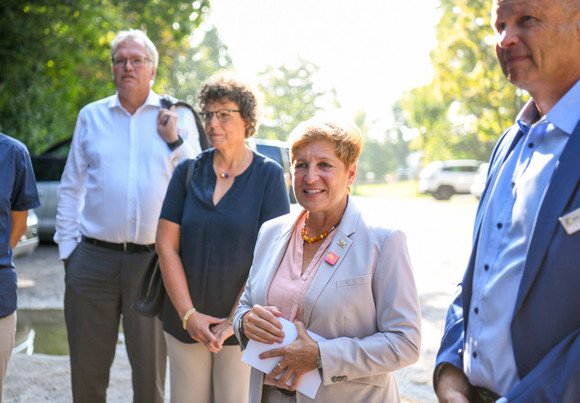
(383, 155)
(289, 97)
(55, 57)
(206, 57)
(469, 103)
(398, 144)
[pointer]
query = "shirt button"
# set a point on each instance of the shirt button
(531, 145)
(486, 267)
(499, 225)
(474, 354)
(476, 310)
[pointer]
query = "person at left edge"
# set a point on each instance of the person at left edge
(123, 153)
(18, 194)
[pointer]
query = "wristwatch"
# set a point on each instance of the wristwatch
(172, 146)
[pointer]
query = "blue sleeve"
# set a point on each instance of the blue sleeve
(24, 195)
(172, 209)
(276, 201)
(451, 350)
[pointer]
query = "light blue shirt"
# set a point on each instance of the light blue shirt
(505, 236)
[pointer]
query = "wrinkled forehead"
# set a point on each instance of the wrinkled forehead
(505, 5)
(504, 9)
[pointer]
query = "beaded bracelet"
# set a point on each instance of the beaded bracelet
(186, 317)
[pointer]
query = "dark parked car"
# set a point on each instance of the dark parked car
(48, 168)
(279, 151)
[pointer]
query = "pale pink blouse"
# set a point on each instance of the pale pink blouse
(289, 286)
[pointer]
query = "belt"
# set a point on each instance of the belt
(484, 395)
(126, 247)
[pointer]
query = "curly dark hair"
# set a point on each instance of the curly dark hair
(225, 87)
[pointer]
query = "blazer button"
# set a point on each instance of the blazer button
(335, 379)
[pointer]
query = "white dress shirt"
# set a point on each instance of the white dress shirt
(117, 173)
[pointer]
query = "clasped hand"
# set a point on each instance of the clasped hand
(199, 327)
(296, 359)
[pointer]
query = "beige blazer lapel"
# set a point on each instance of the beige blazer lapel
(339, 247)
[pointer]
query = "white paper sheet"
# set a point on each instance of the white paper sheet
(310, 381)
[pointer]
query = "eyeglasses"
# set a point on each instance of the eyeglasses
(136, 62)
(222, 115)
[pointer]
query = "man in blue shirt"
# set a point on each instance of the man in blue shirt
(512, 332)
(17, 195)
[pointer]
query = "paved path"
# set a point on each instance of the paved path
(438, 235)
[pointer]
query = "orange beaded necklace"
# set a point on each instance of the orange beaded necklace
(313, 239)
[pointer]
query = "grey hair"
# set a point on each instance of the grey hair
(136, 34)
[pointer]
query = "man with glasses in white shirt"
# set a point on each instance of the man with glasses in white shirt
(123, 153)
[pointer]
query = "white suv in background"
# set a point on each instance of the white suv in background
(443, 179)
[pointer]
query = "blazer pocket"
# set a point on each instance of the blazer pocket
(348, 282)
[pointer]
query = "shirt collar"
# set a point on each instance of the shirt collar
(528, 116)
(152, 100)
(565, 114)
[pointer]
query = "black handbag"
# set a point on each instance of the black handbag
(150, 295)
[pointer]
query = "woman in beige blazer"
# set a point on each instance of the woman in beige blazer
(330, 272)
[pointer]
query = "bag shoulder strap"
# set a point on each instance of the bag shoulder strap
(168, 101)
(188, 174)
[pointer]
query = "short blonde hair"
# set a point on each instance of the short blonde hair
(346, 138)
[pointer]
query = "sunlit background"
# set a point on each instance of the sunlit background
(369, 51)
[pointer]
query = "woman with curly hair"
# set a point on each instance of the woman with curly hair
(205, 241)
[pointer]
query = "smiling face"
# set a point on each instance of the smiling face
(538, 45)
(225, 134)
(320, 178)
(133, 80)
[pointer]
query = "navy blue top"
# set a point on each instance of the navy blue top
(217, 241)
(17, 193)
